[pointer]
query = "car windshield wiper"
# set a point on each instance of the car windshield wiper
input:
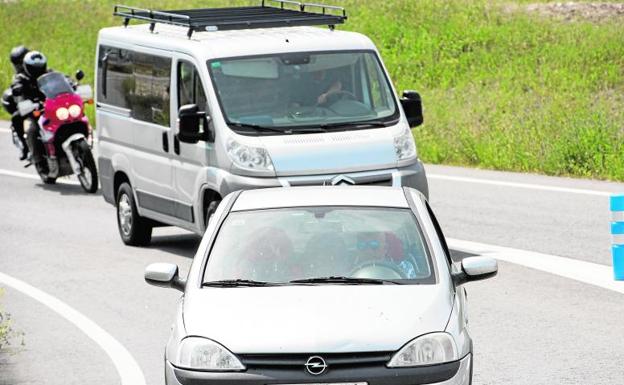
(258, 127)
(345, 280)
(236, 283)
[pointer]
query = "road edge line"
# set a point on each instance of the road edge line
(127, 368)
(582, 271)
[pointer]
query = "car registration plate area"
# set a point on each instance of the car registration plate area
(328, 383)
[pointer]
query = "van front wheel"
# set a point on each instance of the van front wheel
(134, 229)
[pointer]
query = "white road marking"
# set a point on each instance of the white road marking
(586, 272)
(5, 130)
(520, 185)
(126, 366)
(34, 177)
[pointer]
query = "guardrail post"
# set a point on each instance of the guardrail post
(617, 235)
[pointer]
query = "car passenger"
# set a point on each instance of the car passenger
(267, 256)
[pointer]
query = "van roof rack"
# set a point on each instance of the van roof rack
(269, 14)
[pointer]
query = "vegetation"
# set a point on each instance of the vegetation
(503, 88)
(7, 333)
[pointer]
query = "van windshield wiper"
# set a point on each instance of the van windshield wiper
(257, 127)
(359, 125)
(344, 280)
(236, 283)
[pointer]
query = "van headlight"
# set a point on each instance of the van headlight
(430, 349)
(197, 353)
(404, 145)
(249, 158)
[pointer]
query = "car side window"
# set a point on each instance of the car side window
(190, 87)
(438, 230)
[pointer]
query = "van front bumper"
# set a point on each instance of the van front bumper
(412, 175)
(454, 373)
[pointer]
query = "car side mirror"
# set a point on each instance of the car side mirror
(79, 75)
(412, 106)
(164, 275)
(475, 269)
(188, 125)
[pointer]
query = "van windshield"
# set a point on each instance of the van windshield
(339, 90)
(291, 245)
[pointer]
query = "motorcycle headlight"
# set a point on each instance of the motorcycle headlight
(197, 353)
(249, 158)
(430, 349)
(404, 145)
(74, 110)
(62, 113)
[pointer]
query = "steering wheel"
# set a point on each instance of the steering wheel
(393, 271)
(338, 95)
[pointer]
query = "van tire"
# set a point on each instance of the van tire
(133, 228)
(212, 207)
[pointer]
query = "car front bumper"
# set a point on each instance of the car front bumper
(412, 175)
(455, 373)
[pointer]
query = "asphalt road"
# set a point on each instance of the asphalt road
(529, 327)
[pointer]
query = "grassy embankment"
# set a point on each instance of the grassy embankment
(504, 90)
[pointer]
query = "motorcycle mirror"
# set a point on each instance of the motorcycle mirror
(79, 75)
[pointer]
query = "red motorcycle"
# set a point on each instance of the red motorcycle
(64, 133)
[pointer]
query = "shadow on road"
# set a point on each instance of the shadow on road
(65, 189)
(459, 255)
(184, 245)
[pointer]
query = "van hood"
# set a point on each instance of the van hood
(318, 318)
(326, 153)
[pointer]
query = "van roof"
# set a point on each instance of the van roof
(222, 44)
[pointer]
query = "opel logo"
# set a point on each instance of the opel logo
(316, 365)
(342, 180)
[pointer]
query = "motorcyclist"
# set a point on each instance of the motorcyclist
(25, 87)
(8, 99)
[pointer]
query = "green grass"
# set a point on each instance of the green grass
(501, 90)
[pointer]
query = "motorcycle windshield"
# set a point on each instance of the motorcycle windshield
(53, 84)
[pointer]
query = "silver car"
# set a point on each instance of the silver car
(332, 285)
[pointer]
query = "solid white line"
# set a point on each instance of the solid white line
(126, 366)
(34, 177)
(586, 272)
(520, 185)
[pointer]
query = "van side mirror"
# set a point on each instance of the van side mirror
(188, 119)
(412, 105)
(79, 75)
(164, 275)
(475, 269)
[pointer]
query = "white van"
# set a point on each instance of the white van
(195, 104)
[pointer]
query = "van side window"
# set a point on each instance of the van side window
(190, 88)
(135, 81)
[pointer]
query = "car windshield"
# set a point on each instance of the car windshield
(53, 84)
(304, 89)
(336, 244)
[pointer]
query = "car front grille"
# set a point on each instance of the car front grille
(298, 360)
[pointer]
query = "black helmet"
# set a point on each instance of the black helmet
(35, 64)
(17, 57)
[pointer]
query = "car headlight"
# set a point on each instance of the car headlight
(404, 145)
(197, 353)
(62, 113)
(430, 349)
(249, 158)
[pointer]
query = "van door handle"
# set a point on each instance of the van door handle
(165, 141)
(176, 145)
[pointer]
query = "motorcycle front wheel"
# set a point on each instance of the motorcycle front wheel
(88, 178)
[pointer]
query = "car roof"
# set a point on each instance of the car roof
(222, 44)
(363, 196)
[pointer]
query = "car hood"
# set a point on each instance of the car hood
(327, 153)
(316, 318)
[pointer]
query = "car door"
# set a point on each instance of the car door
(190, 160)
(148, 93)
